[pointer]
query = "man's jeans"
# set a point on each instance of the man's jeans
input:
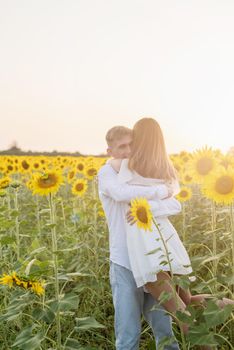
(130, 303)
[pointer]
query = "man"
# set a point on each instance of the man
(129, 301)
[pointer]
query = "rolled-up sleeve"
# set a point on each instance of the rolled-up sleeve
(165, 207)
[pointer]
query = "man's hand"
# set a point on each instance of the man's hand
(130, 218)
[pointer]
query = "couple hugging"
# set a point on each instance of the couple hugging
(140, 167)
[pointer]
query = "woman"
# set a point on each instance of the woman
(149, 165)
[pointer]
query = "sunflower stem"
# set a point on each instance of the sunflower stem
(38, 217)
(55, 263)
(232, 236)
(17, 236)
(63, 214)
(175, 295)
(213, 228)
(183, 222)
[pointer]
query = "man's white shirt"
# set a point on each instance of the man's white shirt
(113, 194)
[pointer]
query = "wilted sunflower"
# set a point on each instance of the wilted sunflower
(140, 210)
(13, 280)
(220, 186)
(203, 163)
(185, 194)
(38, 287)
(79, 187)
(48, 182)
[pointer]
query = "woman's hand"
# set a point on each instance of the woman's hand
(130, 218)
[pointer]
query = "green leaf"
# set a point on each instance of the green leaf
(183, 317)
(86, 323)
(73, 344)
(182, 281)
(164, 342)
(7, 240)
(27, 341)
(201, 335)
(214, 315)
(14, 213)
(154, 251)
(68, 302)
(164, 296)
(46, 315)
(50, 225)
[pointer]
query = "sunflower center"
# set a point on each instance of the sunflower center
(92, 172)
(47, 181)
(4, 183)
(142, 215)
(204, 165)
(80, 167)
(71, 174)
(188, 178)
(183, 194)
(25, 165)
(224, 184)
(79, 187)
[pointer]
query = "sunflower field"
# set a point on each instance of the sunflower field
(54, 256)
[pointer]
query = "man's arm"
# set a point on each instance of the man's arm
(165, 207)
(109, 186)
(168, 206)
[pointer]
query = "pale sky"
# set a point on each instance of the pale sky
(70, 70)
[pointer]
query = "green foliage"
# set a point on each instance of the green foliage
(28, 321)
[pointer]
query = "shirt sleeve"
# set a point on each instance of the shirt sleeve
(109, 185)
(165, 207)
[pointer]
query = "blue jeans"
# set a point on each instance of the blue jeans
(130, 303)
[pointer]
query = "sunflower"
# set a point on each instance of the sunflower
(4, 182)
(25, 165)
(186, 178)
(203, 162)
(7, 280)
(185, 194)
(220, 186)
(140, 210)
(90, 172)
(38, 288)
(48, 182)
(25, 282)
(80, 166)
(71, 175)
(227, 161)
(79, 187)
(36, 165)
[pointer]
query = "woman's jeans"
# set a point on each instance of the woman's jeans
(130, 303)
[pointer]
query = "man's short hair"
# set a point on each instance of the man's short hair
(116, 133)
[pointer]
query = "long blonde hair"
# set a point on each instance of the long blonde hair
(148, 152)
